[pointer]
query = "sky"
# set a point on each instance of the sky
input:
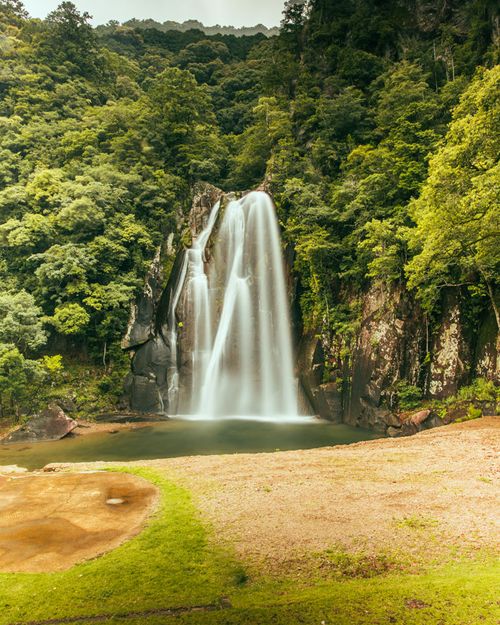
(210, 12)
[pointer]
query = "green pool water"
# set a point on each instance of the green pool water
(179, 437)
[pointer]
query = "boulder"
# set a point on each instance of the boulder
(393, 432)
(417, 418)
(432, 422)
(407, 429)
(392, 420)
(51, 425)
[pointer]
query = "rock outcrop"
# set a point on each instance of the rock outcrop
(452, 354)
(141, 324)
(395, 343)
(51, 425)
(147, 384)
(390, 347)
(322, 396)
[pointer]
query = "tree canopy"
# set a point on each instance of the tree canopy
(375, 125)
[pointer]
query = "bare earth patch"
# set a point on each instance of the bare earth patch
(416, 497)
(49, 522)
(423, 497)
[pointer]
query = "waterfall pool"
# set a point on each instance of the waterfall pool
(183, 437)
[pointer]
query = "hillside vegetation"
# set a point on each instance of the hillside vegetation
(375, 125)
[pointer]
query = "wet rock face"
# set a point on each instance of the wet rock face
(143, 311)
(51, 425)
(389, 348)
(204, 198)
(147, 384)
(487, 351)
(392, 346)
(450, 365)
(320, 397)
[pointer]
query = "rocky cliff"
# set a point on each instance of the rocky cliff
(395, 344)
(146, 336)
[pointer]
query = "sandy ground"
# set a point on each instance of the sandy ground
(422, 497)
(415, 497)
(430, 496)
(49, 522)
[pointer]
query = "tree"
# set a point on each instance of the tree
(63, 269)
(181, 125)
(21, 321)
(13, 10)
(70, 318)
(271, 125)
(457, 237)
(295, 14)
(380, 179)
(19, 378)
(342, 121)
(71, 39)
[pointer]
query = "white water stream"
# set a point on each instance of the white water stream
(237, 315)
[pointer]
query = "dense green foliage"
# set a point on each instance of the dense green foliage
(371, 122)
(369, 91)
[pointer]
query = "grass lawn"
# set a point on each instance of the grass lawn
(175, 563)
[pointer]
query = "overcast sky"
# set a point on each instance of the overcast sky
(210, 12)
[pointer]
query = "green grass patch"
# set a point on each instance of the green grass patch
(343, 564)
(175, 563)
(172, 562)
(462, 593)
(417, 522)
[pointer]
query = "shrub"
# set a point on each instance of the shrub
(408, 395)
(480, 390)
(472, 413)
(53, 366)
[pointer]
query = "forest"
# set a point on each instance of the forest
(250, 314)
(375, 126)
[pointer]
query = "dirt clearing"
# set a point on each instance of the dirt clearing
(428, 497)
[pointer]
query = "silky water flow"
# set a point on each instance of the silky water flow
(237, 311)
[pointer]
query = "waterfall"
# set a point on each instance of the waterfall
(235, 313)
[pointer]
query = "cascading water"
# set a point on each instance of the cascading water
(192, 266)
(237, 316)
